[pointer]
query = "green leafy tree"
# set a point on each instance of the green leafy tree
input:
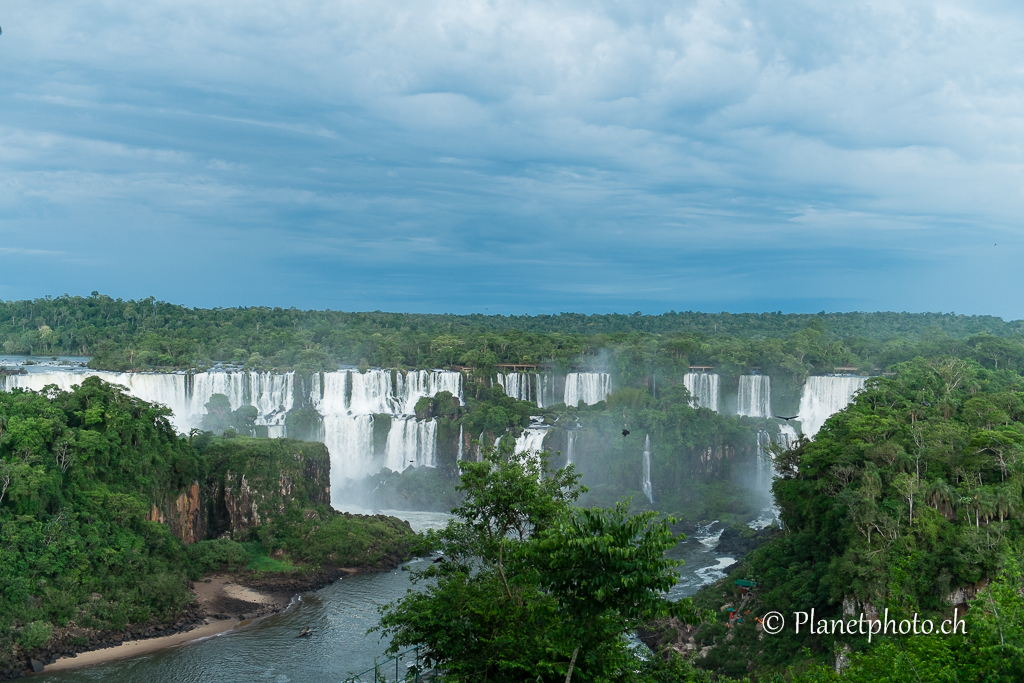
(522, 575)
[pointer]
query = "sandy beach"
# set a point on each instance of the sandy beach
(217, 595)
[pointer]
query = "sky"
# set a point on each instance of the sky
(515, 157)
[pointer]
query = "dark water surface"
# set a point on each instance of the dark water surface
(339, 615)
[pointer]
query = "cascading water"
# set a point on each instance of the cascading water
(753, 398)
(459, 456)
(765, 473)
(589, 387)
(516, 385)
(531, 440)
(411, 443)
(646, 481)
(823, 397)
(704, 387)
(787, 436)
(185, 394)
(544, 389)
(570, 445)
(349, 440)
(347, 398)
(417, 384)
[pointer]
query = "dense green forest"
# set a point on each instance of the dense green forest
(149, 334)
(911, 494)
(85, 474)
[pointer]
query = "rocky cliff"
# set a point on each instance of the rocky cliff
(248, 483)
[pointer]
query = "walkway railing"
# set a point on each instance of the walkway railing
(384, 672)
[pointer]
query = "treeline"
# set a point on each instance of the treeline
(86, 475)
(155, 335)
(911, 494)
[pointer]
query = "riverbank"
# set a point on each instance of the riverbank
(221, 603)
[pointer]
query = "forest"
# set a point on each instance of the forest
(87, 477)
(154, 335)
(910, 500)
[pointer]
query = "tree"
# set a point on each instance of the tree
(523, 578)
(608, 572)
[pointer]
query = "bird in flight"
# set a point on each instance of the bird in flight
(625, 432)
(787, 419)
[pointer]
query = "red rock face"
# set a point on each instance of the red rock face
(184, 515)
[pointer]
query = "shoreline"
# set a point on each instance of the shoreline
(132, 648)
(222, 603)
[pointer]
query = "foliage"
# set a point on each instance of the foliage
(529, 588)
(911, 492)
(148, 334)
(81, 469)
(992, 649)
(83, 472)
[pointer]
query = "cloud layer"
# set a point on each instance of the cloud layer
(515, 156)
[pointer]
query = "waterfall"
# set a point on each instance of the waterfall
(544, 389)
(458, 458)
(411, 443)
(765, 473)
(185, 394)
(531, 440)
(570, 446)
(589, 387)
(347, 400)
(646, 481)
(345, 396)
(516, 385)
(417, 384)
(787, 436)
(349, 440)
(753, 398)
(703, 386)
(824, 397)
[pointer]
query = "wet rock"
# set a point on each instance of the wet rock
(36, 666)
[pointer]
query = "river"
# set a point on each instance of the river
(339, 615)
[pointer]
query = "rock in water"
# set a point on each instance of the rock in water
(37, 666)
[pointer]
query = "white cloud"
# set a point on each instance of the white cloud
(629, 137)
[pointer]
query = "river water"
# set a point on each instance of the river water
(339, 615)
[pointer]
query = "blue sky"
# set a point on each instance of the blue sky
(515, 157)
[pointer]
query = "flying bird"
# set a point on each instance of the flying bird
(787, 419)
(625, 432)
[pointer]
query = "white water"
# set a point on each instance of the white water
(645, 483)
(766, 473)
(787, 435)
(516, 385)
(531, 440)
(570, 445)
(754, 396)
(823, 397)
(185, 394)
(348, 399)
(411, 443)
(349, 440)
(459, 456)
(704, 387)
(544, 389)
(589, 387)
